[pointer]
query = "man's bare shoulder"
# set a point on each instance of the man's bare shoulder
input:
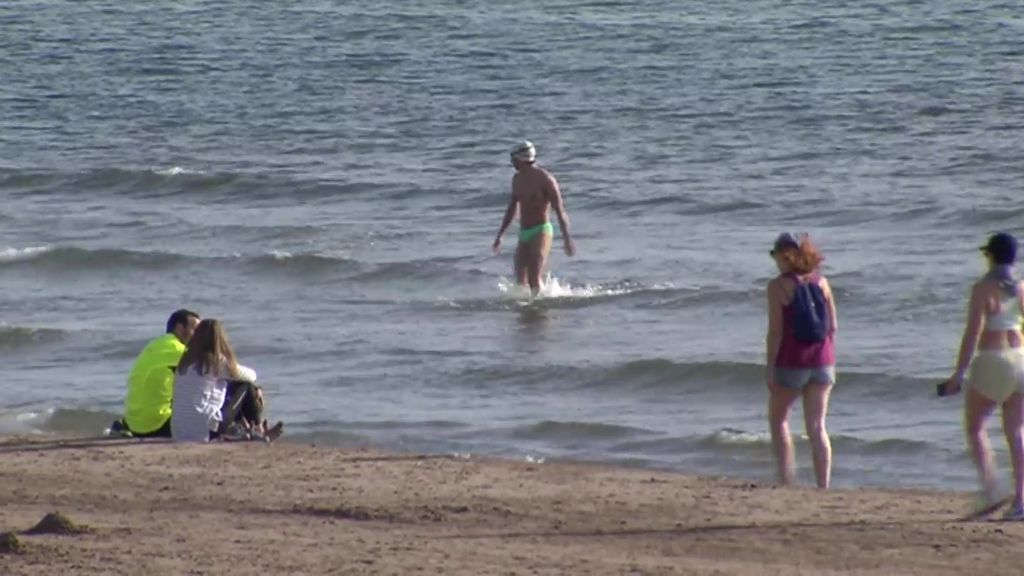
(545, 173)
(546, 179)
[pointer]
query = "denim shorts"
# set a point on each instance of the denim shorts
(799, 378)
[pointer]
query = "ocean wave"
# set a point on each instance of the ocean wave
(74, 422)
(667, 379)
(739, 440)
(685, 298)
(659, 373)
(664, 375)
(8, 255)
(76, 259)
(71, 258)
(141, 183)
(649, 376)
(676, 204)
(17, 337)
(58, 422)
(175, 171)
(423, 269)
(735, 442)
(562, 431)
(924, 212)
(403, 352)
(155, 183)
(305, 262)
(991, 218)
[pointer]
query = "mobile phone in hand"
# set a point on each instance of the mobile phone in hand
(943, 389)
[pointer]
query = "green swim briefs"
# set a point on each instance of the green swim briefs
(527, 234)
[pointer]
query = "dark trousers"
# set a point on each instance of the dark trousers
(242, 402)
(161, 432)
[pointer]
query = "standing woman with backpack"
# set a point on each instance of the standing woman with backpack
(800, 352)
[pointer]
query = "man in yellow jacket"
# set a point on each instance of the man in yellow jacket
(147, 408)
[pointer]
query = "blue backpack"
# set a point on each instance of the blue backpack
(810, 312)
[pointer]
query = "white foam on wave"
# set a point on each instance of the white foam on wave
(22, 422)
(16, 254)
(552, 287)
(280, 254)
(731, 436)
(175, 171)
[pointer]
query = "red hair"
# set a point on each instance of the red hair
(803, 259)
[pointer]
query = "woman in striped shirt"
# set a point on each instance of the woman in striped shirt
(202, 381)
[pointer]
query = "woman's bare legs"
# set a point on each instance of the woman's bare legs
(977, 409)
(815, 409)
(780, 400)
(1013, 420)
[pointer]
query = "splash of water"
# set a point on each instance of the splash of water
(16, 254)
(552, 287)
(175, 171)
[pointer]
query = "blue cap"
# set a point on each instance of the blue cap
(786, 240)
(1002, 247)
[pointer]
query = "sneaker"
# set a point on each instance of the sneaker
(986, 503)
(1013, 513)
(118, 428)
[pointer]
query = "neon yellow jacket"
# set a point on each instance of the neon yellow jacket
(151, 384)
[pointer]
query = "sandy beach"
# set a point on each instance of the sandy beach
(160, 508)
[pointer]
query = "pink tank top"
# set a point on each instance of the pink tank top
(796, 354)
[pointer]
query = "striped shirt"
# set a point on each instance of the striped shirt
(198, 399)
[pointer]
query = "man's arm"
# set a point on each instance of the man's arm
(510, 213)
(563, 218)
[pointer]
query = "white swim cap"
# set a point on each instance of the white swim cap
(524, 151)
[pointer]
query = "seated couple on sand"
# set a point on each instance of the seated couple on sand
(187, 385)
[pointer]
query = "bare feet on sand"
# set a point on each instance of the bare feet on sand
(273, 433)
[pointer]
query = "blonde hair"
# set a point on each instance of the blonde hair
(207, 348)
(802, 259)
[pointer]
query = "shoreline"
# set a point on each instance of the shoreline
(166, 508)
(717, 451)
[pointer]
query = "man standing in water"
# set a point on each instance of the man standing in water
(534, 190)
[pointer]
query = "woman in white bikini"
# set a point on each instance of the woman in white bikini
(992, 349)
